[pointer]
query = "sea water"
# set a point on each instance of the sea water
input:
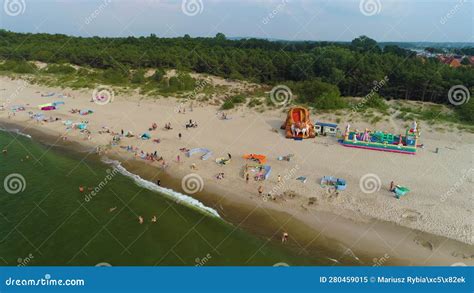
(46, 220)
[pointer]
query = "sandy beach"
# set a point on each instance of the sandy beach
(432, 225)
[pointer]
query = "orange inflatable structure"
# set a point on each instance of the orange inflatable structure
(261, 159)
(298, 124)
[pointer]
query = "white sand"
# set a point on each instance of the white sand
(442, 185)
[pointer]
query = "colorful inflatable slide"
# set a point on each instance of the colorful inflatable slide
(298, 124)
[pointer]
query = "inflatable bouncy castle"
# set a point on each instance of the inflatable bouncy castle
(298, 125)
(383, 141)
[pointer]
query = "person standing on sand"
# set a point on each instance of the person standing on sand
(260, 190)
(392, 185)
(279, 178)
(179, 135)
(178, 158)
(247, 177)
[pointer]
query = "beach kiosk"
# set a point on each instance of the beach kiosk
(322, 128)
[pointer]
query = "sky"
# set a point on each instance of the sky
(323, 20)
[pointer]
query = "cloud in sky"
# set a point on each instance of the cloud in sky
(338, 20)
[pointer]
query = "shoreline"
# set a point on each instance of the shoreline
(431, 225)
(335, 232)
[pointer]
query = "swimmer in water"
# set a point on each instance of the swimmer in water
(81, 188)
(284, 238)
(153, 219)
(140, 220)
(112, 209)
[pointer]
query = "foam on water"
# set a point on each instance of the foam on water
(16, 131)
(179, 197)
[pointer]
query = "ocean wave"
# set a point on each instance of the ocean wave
(179, 197)
(16, 131)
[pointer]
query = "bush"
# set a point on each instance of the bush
(158, 75)
(373, 101)
(231, 102)
(18, 66)
(138, 76)
(114, 75)
(60, 69)
(181, 82)
(466, 111)
(319, 94)
(254, 102)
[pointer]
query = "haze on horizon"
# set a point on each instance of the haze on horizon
(324, 20)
